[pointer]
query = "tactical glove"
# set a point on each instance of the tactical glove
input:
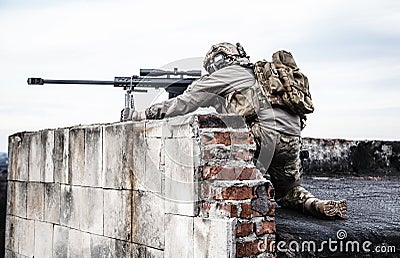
(131, 115)
(137, 116)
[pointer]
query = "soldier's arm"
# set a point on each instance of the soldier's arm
(202, 93)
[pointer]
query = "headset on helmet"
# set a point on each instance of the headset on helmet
(222, 55)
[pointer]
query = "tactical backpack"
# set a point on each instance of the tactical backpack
(283, 84)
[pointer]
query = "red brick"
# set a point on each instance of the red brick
(206, 206)
(210, 172)
(255, 247)
(226, 138)
(270, 245)
(218, 138)
(249, 174)
(237, 193)
(207, 155)
(241, 138)
(226, 173)
(265, 227)
(205, 190)
(207, 138)
(245, 229)
(232, 209)
(247, 211)
(250, 248)
(271, 211)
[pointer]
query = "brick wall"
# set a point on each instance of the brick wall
(183, 187)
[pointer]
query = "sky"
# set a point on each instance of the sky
(350, 51)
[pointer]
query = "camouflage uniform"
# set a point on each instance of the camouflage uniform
(283, 165)
(209, 90)
(277, 132)
(232, 87)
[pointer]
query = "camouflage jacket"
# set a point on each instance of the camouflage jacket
(213, 90)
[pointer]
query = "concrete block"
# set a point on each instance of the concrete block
(35, 201)
(117, 214)
(134, 166)
(181, 127)
(150, 178)
(101, 246)
(176, 127)
(154, 253)
(52, 200)
(76, 155)
(70, 206)
(114, 153)
(11, 242)
(181, 160)
(140, 251)
(10, 209)
(61, 153)
(157, 129)
(10, 254)
(79, 244)
(179, 242)
(26, 237)
(148, 213)
(124, 149)
(36, 157)
(17, 198)
(91, 210)
(93, 157)
(60, 241)
(48, 139)
(18, 155)
(23, 158)
(43, 239)
(11, 168)
(214, 238)
(122, 248)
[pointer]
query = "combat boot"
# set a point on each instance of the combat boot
(300, 199)
(326, 209)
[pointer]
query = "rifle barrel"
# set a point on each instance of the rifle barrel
(122, 82)
(95, 82)
(40, 81)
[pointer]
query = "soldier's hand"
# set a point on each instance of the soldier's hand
(137, 116)
(131, 115)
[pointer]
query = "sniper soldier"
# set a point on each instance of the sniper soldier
(274, 99)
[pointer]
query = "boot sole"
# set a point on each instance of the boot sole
(339, 210)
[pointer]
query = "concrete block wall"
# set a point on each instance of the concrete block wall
(182, 187)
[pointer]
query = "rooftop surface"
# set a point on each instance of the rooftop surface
(373, 215)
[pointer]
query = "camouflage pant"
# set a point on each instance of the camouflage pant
(280, 155)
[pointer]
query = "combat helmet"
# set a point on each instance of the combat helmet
(221, 55)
